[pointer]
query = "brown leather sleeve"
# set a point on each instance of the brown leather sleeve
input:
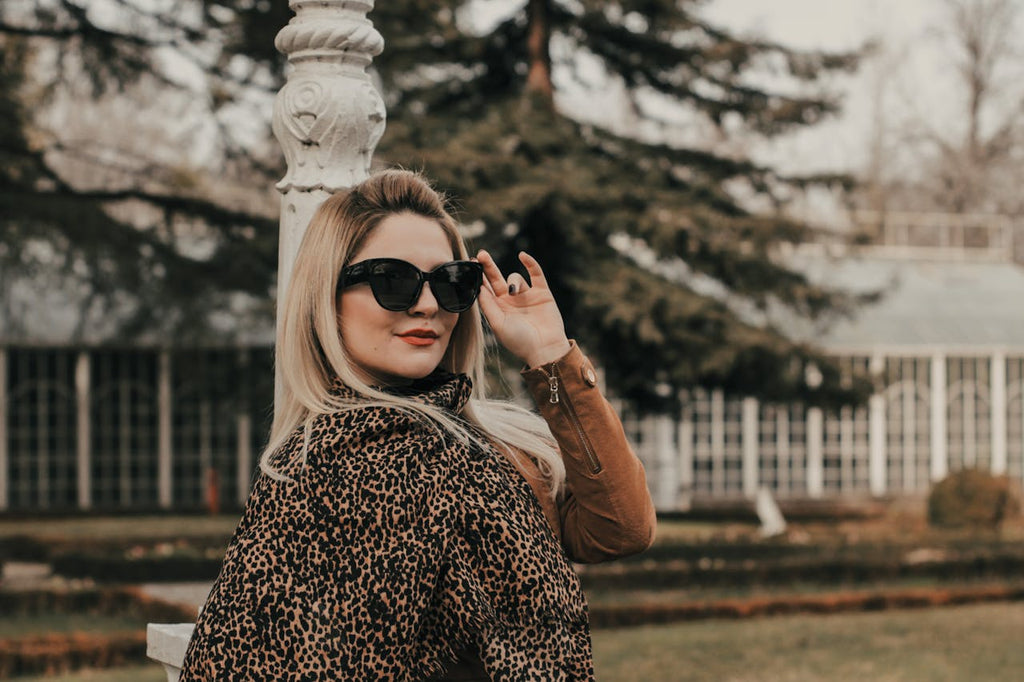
(606, 511)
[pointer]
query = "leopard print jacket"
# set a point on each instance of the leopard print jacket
(391, 549)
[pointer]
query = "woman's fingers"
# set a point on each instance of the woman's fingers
(488, 306)
(516, 284)
(492, 274)
(533, 267)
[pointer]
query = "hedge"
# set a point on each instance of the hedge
(972, 498)
(24, 548)
(29, 548)
(99, 600)
(121, 569)
(57, 653)
(838, 571)
(631, 615)
(53, 654)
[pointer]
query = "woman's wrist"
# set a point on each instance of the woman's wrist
(549, 353)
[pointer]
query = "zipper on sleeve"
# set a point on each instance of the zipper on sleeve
(553, 387)
(555, 398)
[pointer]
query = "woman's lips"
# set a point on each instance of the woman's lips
(419, 340)
(419, 337)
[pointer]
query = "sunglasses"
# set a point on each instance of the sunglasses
(396, 284)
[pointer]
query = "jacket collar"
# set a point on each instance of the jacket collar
(441, 389)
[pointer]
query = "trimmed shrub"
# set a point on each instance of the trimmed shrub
(631, 615)
(105, 569)
(23, 548)
(971, 498)
(106, 601)
(61, 653)
(854, 566)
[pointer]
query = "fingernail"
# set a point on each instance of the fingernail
(512, 289)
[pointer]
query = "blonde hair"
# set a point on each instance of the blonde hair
(310, 352)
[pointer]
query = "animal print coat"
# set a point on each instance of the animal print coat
(390, 551)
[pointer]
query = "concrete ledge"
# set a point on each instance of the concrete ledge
(166, 644)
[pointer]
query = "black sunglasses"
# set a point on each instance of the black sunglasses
(396, 284)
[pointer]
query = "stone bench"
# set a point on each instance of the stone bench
(166, 644)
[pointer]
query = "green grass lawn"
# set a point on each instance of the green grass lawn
(22, 626)
(939, 645)
(981, 642)
(978, 642)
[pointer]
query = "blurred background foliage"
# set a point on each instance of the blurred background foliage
(137, 167)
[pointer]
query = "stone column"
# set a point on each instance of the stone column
(328, 119)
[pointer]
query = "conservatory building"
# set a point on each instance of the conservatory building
(945, 345)
(152, 427)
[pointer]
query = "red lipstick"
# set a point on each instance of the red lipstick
(419, 337)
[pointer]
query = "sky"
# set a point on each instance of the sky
(905, 28)
(909, 88)
(829, 24)
(910, 71)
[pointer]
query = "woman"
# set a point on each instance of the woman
(406, 527)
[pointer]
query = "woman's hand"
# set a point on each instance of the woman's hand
(524, 318)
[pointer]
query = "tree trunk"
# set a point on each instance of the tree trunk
(538, 37)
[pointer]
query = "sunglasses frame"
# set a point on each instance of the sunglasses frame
(361, 272)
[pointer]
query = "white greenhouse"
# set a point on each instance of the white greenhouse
(946, 347)
(159, 428)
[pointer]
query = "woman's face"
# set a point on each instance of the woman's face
(393, 348)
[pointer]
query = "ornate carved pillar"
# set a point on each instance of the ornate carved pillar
(328, 117)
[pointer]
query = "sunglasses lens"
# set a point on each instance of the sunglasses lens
(457, 285)
(395, 284)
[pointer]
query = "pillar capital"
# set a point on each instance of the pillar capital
(328, 117)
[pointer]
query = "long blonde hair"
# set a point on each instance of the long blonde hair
(310, 352)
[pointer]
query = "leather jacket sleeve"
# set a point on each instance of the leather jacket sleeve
(606, 511)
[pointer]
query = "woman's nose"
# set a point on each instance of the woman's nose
(426, 304)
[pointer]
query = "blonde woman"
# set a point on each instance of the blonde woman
(404, 526)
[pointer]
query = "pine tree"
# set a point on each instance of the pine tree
(484, 120)
(120, 248)
(659, 263)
